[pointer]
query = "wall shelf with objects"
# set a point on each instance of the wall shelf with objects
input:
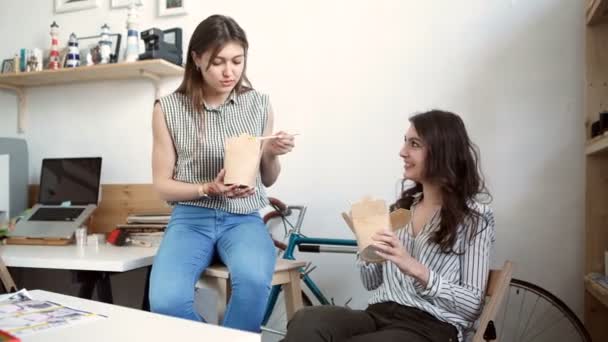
(596, 12)
(596, 168)
(154, 70)
(597, 145)
(596, 290)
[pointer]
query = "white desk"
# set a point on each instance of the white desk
(106, 257)
(93, 265)
(125, 324)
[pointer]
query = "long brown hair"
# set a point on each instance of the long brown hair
(212, 34)
(452, 162)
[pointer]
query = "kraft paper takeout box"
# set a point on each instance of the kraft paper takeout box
(368, 217)
(242, 160)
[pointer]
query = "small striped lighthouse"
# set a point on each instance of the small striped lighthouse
(73, 59)
(54, 54)
(132, 52)
(105, 45)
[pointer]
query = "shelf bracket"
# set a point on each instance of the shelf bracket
(155, 79)
(21, 119)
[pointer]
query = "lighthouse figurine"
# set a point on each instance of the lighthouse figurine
(73, 59)
(132, 52)
(105, 45)
(54, 54)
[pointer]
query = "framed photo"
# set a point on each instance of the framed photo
(90, 45)
(125, 3)
(171, 7)
(74, 5)
(8, 66)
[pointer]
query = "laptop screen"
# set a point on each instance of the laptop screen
(70, 179)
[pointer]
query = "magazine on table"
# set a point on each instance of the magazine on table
(20, 314)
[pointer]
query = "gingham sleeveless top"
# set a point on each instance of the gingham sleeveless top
(199, 142)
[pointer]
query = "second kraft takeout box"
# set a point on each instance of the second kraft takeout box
(369, 216)
(242, 160)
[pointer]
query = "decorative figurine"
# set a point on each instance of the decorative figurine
(73, 58)
(24, 55)
(32, 63)
(54, 54)
(132, 52)
(89, 58)
(16, 69)
(105, 45)
(95, 53)
(38, 58)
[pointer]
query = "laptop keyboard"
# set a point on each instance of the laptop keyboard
(56, 214)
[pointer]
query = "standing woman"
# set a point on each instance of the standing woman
(214, 102)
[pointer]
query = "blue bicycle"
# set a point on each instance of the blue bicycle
(275, 319)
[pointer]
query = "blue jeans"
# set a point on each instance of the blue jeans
(192, 239)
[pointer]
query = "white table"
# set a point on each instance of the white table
(92, 264)
(125, 324)
(106, 257)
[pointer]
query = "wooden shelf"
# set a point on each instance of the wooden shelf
(154, 70)
(596, 290)
(597, 12)
(597, 145)
(155, 67)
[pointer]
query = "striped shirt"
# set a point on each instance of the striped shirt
(199, 139)
(457, 281)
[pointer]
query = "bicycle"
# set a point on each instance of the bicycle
(518, 319)
(278, 323)
(531, 313)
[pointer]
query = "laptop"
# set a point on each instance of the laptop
(69, 193)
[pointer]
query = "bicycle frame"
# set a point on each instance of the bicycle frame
(296, 239)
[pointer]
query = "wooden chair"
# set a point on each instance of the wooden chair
(5, 277)
(286, 273)
(498, 286)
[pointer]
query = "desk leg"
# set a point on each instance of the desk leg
(146, 301)
(89, 280)
(104, 288)
(87, 283)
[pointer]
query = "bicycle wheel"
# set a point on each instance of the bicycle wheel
(531, 313)
(275, 328)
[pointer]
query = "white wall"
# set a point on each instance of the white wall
(346, 74)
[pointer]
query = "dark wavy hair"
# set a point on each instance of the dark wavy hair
(452, 162)
(212, 34)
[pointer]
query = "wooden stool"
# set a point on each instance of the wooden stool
(286, 273)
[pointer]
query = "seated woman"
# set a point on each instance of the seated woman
(431, 285)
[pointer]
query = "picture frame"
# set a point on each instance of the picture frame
(62, 6)
(90, 44)
(8, 66)
(125, 3)
(172, 7)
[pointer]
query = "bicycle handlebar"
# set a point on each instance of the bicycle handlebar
(285, 210)
(278, 203)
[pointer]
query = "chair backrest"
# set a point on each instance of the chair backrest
(497, 288)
